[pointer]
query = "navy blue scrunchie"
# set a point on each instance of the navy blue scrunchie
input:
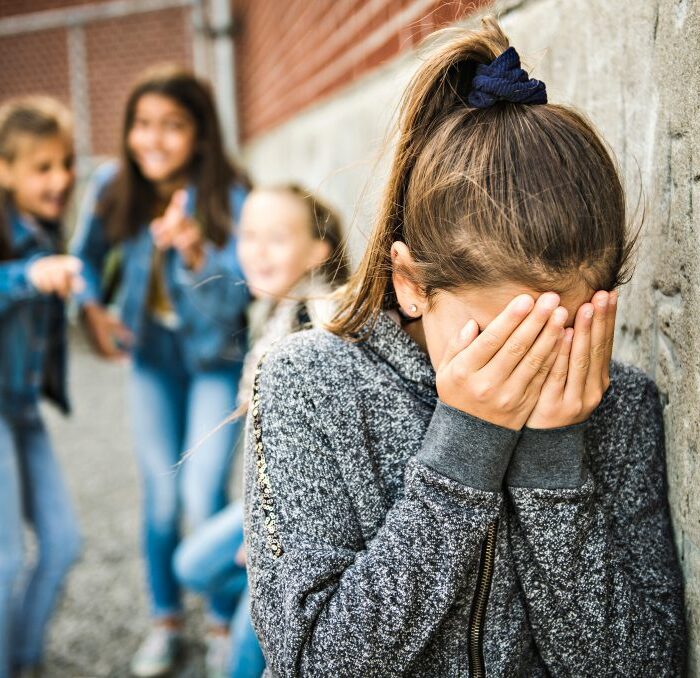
(504, 80)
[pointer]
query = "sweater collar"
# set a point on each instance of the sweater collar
(395, 347)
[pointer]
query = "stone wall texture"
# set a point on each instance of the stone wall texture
(634, 67)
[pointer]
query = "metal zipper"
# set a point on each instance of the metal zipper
(481, 598)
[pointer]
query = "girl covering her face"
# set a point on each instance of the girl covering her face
(168, 212)
(455, 478)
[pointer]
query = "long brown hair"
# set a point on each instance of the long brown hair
(325, 225)
(128, 202)
(40, 117)
(511, 193)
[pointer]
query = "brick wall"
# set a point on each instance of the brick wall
(35, 63)
(291, 54)
(15, 7)
(116, 51)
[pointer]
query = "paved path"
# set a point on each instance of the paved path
(103, 613)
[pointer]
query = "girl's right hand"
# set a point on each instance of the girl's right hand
(106, 332)
(497, 375)
(56, 274)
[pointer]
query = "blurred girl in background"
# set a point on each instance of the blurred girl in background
(291, 251)
(36, 180)
(170, 205)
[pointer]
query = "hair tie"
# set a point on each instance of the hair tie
(504, 80)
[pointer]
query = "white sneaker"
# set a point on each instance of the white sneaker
(157, 653)
(217, 657)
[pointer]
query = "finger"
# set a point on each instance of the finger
(556, 378)
(176, 207)
(65, 283)
(73, 264)
(55, 281)
(120, 332)
(599, 340)
(610, 335)
(521, 340)
(459, 342)
(77, 284)
(580, 357)
(542, 374)
(491, 340)
(535, 364)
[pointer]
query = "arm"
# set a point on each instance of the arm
(333, 603)
(90, 242)
(599, 573)
(15, 285)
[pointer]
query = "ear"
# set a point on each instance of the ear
(319, 254)
(409, 295)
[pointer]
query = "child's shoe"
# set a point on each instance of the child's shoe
(158, 653)
(218, 652)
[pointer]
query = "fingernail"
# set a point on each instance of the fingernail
(549, 300)
(466, 330)
(602, 301)
(560, 315)
(588, 312)
(613, 298)
(523, 303)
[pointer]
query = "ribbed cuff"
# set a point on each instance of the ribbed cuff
(548, 458)
(469, 450)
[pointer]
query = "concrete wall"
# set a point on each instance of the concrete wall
(634, 67)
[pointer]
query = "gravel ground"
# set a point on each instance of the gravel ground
(103, 613)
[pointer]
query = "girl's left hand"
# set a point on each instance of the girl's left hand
(176, 229)
(581, 372)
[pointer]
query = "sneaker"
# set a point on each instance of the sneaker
(157, 654)
(217, 658)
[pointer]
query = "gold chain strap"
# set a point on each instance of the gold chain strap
(266, 500)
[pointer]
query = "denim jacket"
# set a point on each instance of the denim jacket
(32, 325)
(210, 303)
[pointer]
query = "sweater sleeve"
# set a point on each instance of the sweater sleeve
(15, 285)
(598, 567)
(325, 600)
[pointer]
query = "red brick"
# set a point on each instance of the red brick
(35, 63)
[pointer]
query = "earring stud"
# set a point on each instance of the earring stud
(412, 308)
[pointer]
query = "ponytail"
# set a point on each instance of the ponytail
(438, 88)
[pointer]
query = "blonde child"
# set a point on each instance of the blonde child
(36, 179)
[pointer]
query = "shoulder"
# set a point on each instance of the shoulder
(628, 426)
(237, 193)
(313, 360)
(631, 389)
(104, 175)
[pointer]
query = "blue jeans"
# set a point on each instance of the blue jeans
(183, 451)
(205, 563)
(31, 488)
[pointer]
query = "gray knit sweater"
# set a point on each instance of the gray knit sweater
(391, 535)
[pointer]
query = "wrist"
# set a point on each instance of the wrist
(467, 449)
(550, 458)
